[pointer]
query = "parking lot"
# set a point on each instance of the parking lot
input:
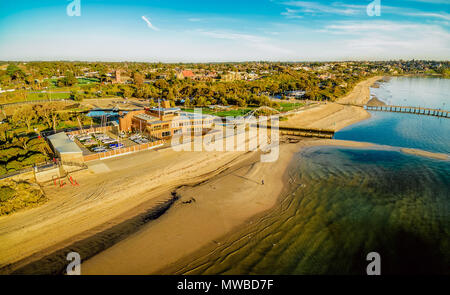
(92, 143)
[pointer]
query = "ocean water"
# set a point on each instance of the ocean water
(415, 92)
(344, 204)
(407, 130)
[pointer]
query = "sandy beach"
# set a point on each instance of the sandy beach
(218, 191)
(222, 204)
(226, 201)
(110, 192)
(360, 95)
(422, 153)
(335, 115)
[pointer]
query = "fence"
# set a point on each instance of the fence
(34, 102)
(93, 129)
(39, 168)
(75, 131)
(123, 151)
(74, 164)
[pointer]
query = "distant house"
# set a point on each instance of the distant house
(185, 74)
(295, 94)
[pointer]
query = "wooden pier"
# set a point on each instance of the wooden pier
(307, 132)
(410, 110)
(303, 132)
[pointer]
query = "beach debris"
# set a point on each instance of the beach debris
(191, 200)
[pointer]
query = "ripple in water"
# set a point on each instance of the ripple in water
(346, 203)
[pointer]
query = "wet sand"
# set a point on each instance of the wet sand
(423, 153)
(210, 211)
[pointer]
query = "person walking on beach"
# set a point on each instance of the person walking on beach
(262, 182)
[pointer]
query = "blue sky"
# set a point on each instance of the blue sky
(213, 30)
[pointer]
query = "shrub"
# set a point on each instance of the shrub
(16, 196)
(6, 193)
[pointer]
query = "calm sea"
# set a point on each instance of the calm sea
(407, 130)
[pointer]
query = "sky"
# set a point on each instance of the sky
(224, 31)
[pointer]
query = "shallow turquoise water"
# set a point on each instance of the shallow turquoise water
(407, 130)
(344, 204)
(401, 130)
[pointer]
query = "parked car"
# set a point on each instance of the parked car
(99, 150)
(115, 146)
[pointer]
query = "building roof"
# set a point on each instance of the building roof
(165, 109)
(145, 117)
(63, 144)
(188, 73)
(195, 115)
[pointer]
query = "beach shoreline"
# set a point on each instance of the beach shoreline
(346, 111)
(153, 180)
(321, 117)
(183, 233)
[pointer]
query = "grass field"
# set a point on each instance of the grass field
(284, 107)
(81, 81)
(47, 95)
(225, 113)
(288, 106)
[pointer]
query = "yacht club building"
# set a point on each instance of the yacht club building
(165, 122)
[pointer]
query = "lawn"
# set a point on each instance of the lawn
(288, 106)
(48, 95)
(81, 81)
(224, 113)
(284, 107)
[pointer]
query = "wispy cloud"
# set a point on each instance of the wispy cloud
(388, 39)
(443, 15)
(233, 36)
(292, 13)
(149, 24)
(195, 19)
(431, 1)
(316, 8)
(254, 41)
